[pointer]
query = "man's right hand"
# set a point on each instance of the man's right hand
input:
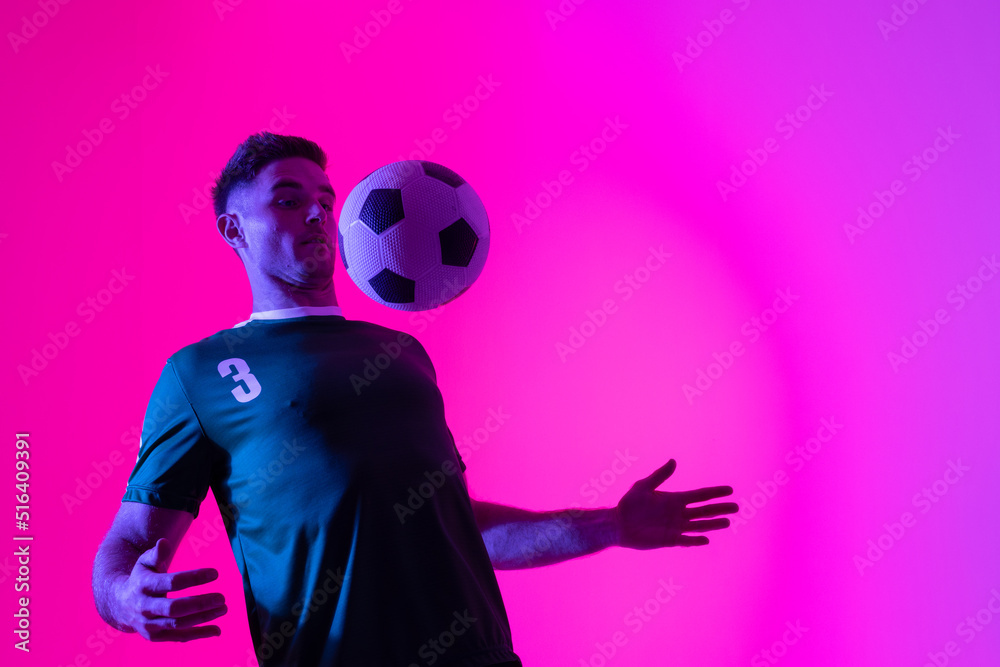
(143, 604)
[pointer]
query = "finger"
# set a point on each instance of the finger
(692, 541)
(189, 621)
(711, 510)
(158, 556)
(186, 634)
(661, 475)
(180, 607)
(703, 526)
(161, 584)
(708, 493)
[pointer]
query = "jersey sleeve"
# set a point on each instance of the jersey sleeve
(174, 466)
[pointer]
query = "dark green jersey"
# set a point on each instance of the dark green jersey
(325, 444)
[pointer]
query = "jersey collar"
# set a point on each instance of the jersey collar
(286, 313)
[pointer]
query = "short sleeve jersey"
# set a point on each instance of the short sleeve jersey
(325, 444)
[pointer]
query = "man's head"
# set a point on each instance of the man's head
(274, 206)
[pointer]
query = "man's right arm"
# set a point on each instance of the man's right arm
(131, 581)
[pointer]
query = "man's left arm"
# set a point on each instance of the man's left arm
(643, 519)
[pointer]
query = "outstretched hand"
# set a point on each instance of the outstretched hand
(145, 607)
(649, 519)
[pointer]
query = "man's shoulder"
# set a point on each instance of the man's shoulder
(222, 339)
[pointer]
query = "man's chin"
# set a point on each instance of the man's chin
(316, 259)
(311, 284)
(321, 276)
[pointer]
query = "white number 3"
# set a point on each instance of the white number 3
(250, 388)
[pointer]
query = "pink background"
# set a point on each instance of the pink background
(228, 70)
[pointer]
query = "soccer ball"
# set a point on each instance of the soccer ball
(413, 235)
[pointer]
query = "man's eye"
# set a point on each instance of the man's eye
(286, 201)
(328, 207)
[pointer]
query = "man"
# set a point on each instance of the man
(312, 477)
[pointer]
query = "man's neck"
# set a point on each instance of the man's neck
(279, 296)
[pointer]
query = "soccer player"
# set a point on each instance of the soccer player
(346, 507)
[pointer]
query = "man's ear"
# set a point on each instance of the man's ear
(231, 230)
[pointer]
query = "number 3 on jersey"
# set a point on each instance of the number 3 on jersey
(250, 388)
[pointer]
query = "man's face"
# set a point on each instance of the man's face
(286, 217)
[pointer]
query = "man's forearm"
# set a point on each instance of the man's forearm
(112, 565)
(517, 538)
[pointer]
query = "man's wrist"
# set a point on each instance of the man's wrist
(611, 527)
(116, 603)
(617, 522)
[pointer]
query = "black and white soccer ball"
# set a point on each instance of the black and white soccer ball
(413, 235)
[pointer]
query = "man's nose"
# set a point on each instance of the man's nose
(317, 215)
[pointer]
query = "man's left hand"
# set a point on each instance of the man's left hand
(649, 519)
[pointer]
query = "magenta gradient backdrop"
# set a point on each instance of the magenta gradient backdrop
(888, 88)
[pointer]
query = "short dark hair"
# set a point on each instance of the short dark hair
(258, 151)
